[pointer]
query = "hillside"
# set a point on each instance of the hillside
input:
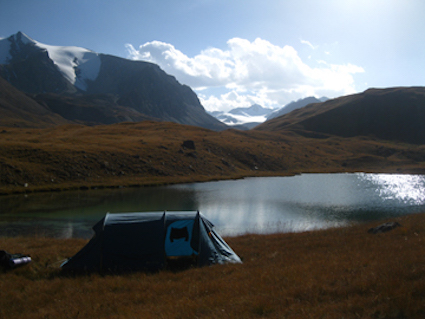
(19, 110)
(394, 114)
(151, 153)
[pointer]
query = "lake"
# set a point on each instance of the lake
(251, 205)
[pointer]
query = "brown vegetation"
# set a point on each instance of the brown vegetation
(336, 273)
(151, 153)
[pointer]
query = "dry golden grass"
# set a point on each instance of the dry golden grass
(335, 273)
(151, 153)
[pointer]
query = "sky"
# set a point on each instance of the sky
(243, 52)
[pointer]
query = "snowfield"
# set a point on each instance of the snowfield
(76, 64)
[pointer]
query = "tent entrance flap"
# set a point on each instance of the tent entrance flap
(178, 239)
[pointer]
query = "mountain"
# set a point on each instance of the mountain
(246, 118)
(86, 87)
(243, 117)
(33, 67)
(295, 105)
(395, 114)
(253, 110)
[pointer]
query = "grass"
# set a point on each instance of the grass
(152, 153)
(335, 273)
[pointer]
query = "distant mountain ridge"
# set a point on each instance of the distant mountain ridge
(91, 88)
(296, 105)
(253, 110)
(243, 117)
(249, 117)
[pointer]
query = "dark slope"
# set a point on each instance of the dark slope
(144, 87)
(395, 114)
(93, 109)
(19, 110)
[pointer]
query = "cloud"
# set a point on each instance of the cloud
(249, 72)
(309, 44)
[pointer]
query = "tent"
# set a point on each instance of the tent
(145, 241)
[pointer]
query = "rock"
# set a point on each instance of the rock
(192, 154)
(189, 144)
(225, 162)
(104, 165)
(383, 228)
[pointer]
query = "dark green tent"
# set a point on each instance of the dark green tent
(144, 241)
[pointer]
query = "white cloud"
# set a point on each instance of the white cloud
(309, 44)
(249, 72)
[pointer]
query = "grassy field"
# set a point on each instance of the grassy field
(152, 153)
(336, 273)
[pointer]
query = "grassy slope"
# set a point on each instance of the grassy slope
(392, 114)
(336, 273)
(147, 153)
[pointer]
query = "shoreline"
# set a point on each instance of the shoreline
(152, 154)
(158, 181)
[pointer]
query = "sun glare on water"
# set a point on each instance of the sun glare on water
(408, 189)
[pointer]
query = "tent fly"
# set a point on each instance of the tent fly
(145, 241)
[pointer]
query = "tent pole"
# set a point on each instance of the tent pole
(164, 231)
(102, 244)
(197, 218)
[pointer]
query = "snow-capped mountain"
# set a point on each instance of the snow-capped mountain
(253, 110)
(94, 88)
(77, 65)
(243, 116)
(249, 117)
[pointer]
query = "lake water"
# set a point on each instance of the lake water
(251, 205)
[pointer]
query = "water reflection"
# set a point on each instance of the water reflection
(399, 189)
(258, 205)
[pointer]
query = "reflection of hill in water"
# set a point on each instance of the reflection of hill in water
(98, 202)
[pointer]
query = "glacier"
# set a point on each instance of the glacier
(76, 64)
